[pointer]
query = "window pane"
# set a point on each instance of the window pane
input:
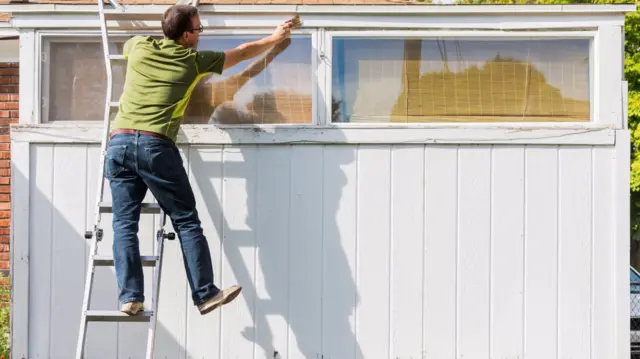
(414, 80)
(275, 87)
(75, 80)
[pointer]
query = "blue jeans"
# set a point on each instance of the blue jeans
(135, 163)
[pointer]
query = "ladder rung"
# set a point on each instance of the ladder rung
(153, 208)
(117, 316)
(117, 57)
(147, 261)
(118, 15)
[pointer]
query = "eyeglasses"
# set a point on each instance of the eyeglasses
(199, 29)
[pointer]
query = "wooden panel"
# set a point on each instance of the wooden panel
(373, 250)
(68, 250)
(239, 243)
(474, 252)
(174, 291)
(306, 242)
(102, 338)
(339, 251)
(206, 172)
(407, 251)
(507, 255)
(440, 256)
(20, 240)
(541, 247)
(574, 258)
(603, 247)
(40, 245)
(271, 205)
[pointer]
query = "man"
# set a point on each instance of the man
(142, 154)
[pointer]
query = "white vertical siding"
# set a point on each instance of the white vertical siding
(352, 251)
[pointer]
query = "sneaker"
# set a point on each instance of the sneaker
(222, 298)
(131, 308)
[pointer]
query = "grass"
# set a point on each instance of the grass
(5, 323)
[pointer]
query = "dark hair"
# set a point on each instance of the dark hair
(177, 20)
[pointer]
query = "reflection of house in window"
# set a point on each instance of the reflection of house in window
(275, 88)
(417, 80)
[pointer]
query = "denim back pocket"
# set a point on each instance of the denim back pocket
(114, 161)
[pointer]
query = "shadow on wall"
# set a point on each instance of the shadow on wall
(302, 275)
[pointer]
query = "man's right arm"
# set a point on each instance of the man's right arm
(218, 61)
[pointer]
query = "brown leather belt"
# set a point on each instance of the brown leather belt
(133, 132)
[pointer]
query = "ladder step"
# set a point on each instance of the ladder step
(117, 316)
(153, 208)
(119, 15)
(147, 261)
(117, 57)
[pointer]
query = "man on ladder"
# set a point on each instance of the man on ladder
(142, 154)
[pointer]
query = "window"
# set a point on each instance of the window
(461, 80)
(275, 87)
(75, 79)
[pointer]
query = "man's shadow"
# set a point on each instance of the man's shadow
(299, 280)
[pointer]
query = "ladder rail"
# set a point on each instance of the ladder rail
(95, 235)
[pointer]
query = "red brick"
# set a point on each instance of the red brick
(5, 155)
(9, 88)
(5, 189)
(9, 71)
(4, 265)
(9, 64)
(5, 139)
(5, 238)
(7, 122)
(9, 80)
(9, 97)
(14, 114)
(5, 197)
(5, 180)
(5, 114)
(5, 214)
(8, 106)
(5, 231)
(5, 223)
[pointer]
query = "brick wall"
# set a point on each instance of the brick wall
(8, 115)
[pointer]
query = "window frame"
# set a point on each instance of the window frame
(591, 35)
(45, 38)
(321, 64)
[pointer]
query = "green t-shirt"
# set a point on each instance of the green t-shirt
(161, 75)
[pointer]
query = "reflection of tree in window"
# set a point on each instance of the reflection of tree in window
(275, 88)
(466, 81)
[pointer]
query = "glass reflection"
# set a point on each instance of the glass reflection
(413, 80)
(275, 87)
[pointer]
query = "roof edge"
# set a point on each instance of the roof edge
(386, 9)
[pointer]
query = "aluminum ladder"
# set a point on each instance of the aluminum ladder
(96, 234)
